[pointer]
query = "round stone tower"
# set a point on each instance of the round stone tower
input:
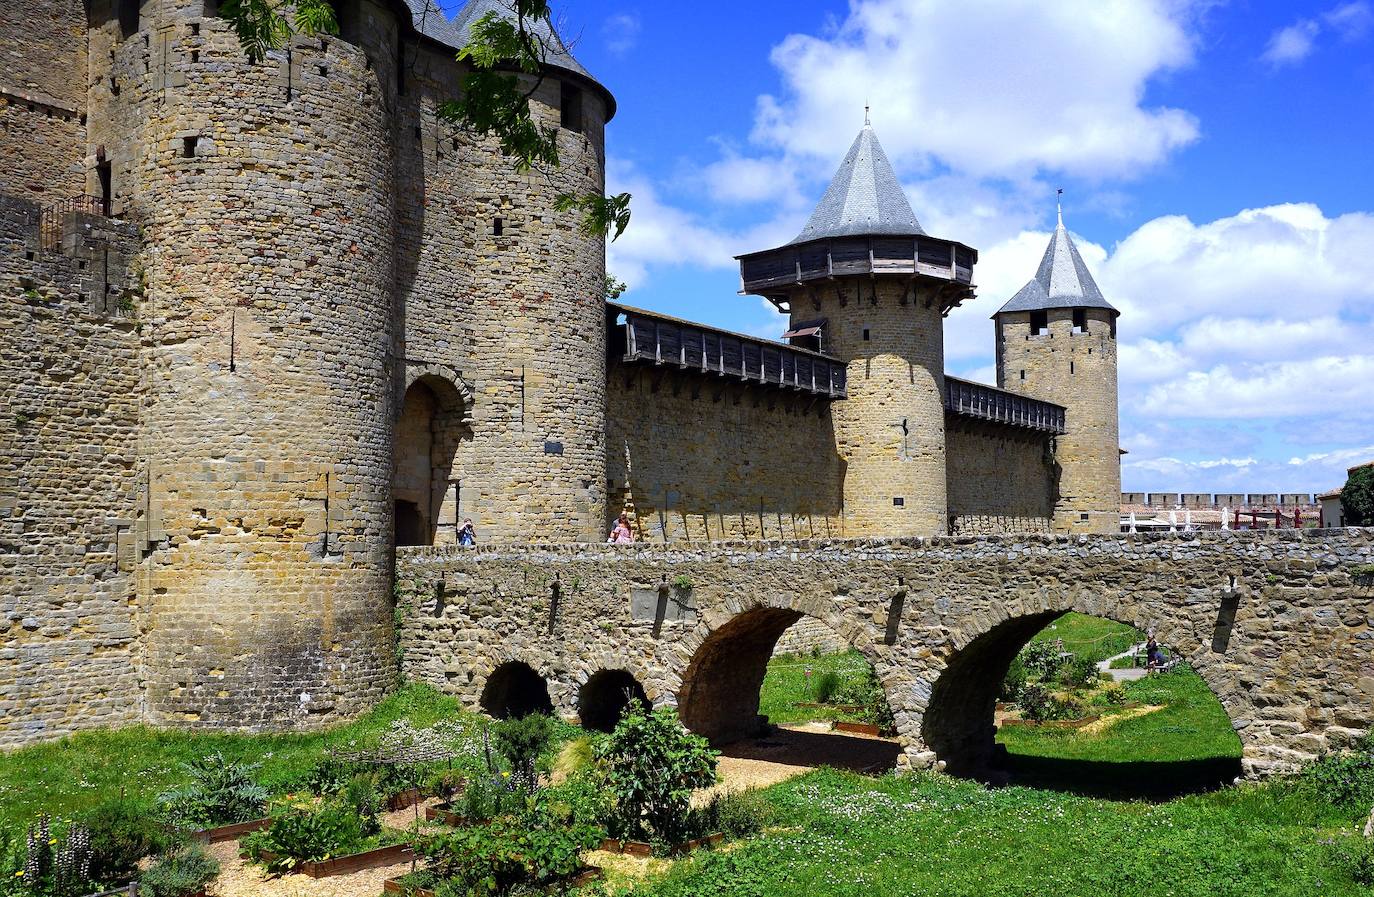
(263, 192)
(536, 469)
(1056, 341)
(873, 287)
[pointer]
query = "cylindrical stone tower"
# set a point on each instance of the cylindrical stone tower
(1056, 341)
(876, 287)
(263, 192)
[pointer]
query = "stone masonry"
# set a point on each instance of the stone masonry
(1277, 623)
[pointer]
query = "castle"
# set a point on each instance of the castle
(265, 322)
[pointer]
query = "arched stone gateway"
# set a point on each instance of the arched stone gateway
(514, 690)
(602, 699)
(1279, 624)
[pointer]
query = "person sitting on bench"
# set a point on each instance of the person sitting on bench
(1154, 658)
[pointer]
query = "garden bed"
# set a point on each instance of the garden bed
(584, 876)
(858, 728)
(231, 832)
(404, 800)
(445, 813)
(644, 849)
(357, 862)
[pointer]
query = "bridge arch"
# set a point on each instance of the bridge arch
(718, 696)
(604, 696)
(514, 690)
(956, 722)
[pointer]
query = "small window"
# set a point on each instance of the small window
(1039, 322)
(1082, 518)
(570, 108)
(188, 147)
(899, 502)
(1023, 375)
(195, 56)
(1080, 320)
(867, 336)
(498, 227)
(1113, 330)
(1070, 367)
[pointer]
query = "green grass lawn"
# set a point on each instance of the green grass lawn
(786, 686)
(938, 837)
(73, 774)
(1091, 637)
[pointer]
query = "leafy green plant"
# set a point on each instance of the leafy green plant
(682, 582)
(1041, 659)
(179, 873)
(506, 853)
(53, 861)
(22, 418)
(652, 766)
(306, 836)
(736, 814)
(220, 792)
(521, 742)
(1344, 780)
(362, 797)
(486, 797)
(826, 685)
(123, 832)
(1035, 703)
(1078, 672)
(866, 692)
(1362, 570)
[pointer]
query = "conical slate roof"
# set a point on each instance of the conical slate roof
(863, 199)
(1063, 280)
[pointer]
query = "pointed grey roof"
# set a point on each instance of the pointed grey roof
(863, 199)
(1063, 280)
(456, 32)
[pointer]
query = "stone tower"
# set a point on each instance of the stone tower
(1056, 341)
(875, 288)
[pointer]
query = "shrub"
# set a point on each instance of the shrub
(1345, 781)
(867, 693)
(1014, 680)
(1067, 707)
(652, 766)
(737, 814)
(306, 836)
(219, 793)
(362, 797)
(1035, 703)
(1041, 659)
(486, 797)
(1079, 672)
(506, 853)
(122, 833)
(825, 686)
(1112, 695)
(179, 873)
(582, 799)
(521, 742)
(1357, 497)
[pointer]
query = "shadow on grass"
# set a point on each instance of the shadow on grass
(791, 747)
(1151, 780)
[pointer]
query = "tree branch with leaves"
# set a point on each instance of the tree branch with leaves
(507, 59)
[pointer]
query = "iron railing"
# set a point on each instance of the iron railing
(52, 223)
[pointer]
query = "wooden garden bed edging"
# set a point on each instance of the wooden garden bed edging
(444, 813)
(586, 875)
(357, 862)
(857, 728)
(404, 800)
(643, 849)
(230, 832)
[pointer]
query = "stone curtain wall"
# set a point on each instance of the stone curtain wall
(696, 458)
(42, 98)
(807, 636)
(1000, 480)
(1274, 621)
(69, 379)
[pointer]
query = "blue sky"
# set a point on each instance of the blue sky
(1215, 158)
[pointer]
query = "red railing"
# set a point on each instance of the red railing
(53, 219)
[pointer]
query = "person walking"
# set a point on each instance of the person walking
(622, 534)
(467, 536)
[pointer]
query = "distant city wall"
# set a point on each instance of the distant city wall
(1219, 499)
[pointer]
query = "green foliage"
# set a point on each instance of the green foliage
(22, 418)
(49, 860)
(652, 765)
(786, 686)
(736, 814)
(521, 742)
(1362, 570)
(1079, 672)
(682, 582)
(262, 25)
(1357, 497)
(362, 797)
(1343, 780)
(615, 287)
(601, 215)
(1035, 703)
(486, 797)
(307, 836)
(1356, 856)
(826, 685)
(866, 692)
(220, 792)
(178, 873)
(506, 853)
(1041, 659)
(1091, 637)
(123, 832)
(1014, 681)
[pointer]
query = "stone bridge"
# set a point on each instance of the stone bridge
(1279, 624)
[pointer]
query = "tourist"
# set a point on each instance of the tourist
(467, 536)
(622, 534)
(1154, 658)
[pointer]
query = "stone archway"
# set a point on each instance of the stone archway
(515, 690)
(602, 699)
(433, 432)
